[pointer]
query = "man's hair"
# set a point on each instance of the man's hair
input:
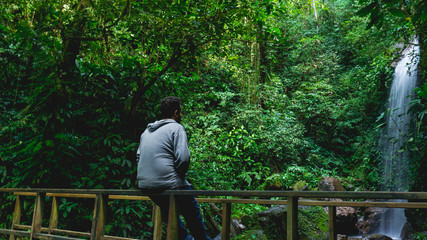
(169, 105)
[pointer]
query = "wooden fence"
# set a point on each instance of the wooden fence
(101, 196)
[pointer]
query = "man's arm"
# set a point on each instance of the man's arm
(182, 153)
(138, 151)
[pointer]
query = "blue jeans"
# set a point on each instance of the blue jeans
(190, 210)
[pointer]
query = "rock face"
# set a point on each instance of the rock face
(406, 231)
(273, 222)
(370, 220)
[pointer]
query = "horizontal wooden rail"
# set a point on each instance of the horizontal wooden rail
(75, 195)
(251, 201)
(101, 196)
(237, 193)
(15, 232)
(64, 232)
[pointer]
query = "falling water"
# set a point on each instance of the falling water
(395, 158)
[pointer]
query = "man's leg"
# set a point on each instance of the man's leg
(190, 209)
(163, 203)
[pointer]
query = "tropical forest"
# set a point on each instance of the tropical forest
(276, 95)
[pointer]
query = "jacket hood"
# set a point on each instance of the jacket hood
(157, 124)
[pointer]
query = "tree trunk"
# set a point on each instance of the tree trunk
(71, 41)
(262, 41)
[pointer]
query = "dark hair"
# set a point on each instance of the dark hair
(169, 105)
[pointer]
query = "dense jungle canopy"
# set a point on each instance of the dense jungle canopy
(274, 92)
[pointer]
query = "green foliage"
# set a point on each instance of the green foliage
(418, 236)
(294, 174)
(417, 144)
(133, 219)
(414, 12)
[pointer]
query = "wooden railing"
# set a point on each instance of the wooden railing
(101, 196)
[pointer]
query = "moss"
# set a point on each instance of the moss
(313, 223)
(300, 186)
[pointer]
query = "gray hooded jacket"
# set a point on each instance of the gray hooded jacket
(163, 156)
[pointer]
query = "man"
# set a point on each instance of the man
(163, 161)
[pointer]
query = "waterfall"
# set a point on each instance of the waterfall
(396, 133)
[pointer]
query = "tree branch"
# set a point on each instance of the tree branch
(125, 9)
(84, 38)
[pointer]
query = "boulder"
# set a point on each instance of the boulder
(300, 186)
(378, 237)
(273, 222)
(330, 184)
(370, 220)
(346, 220)
(346, 216)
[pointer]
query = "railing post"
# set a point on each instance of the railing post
(99, 215)
(173, 219)
(157, 222)
(36, 225)
(226, 221)
(292, 218)
(16, 215)
(53, 221)
(332, 215)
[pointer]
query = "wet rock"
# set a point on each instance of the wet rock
(406, 231)
(370, 220)
(378, 237)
